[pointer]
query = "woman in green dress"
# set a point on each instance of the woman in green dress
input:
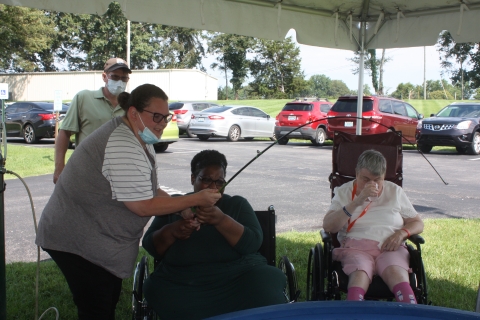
(209, 260)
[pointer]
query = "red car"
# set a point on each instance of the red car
(384, 112)
(299, 112)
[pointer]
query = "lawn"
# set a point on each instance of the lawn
(450, 256)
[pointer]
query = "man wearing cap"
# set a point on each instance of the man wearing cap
(90, 109)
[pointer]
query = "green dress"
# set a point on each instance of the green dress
(204, 276)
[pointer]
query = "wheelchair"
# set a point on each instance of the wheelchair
(267, 219)
(325, 277)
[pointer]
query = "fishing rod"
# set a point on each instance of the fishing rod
(310, 122)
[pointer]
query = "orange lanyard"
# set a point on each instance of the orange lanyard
(350, 224)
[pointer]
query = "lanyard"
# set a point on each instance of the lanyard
(350, 224)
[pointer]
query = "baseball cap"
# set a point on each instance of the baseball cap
(114, 64)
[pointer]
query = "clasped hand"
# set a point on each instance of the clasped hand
(193, 219)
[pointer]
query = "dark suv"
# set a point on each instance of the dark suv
(455, 125)
(299, 112)
(385, 113)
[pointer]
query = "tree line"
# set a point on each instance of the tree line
(39, 41)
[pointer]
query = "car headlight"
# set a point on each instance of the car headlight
(419, 125)
(464, 125)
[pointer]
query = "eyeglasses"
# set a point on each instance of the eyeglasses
(207, 181)
(114, 77)
(158, 117)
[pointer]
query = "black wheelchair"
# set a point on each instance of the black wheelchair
(267, 219)
(325, 277)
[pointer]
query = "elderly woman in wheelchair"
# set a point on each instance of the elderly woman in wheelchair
(373, 218)
(209, 260)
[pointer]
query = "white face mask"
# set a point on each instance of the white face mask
(116, 87)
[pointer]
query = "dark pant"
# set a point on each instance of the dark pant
(95, 290)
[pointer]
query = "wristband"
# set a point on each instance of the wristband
(346, 212)
(408, 233)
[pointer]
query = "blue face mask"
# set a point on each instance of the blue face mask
(147, 135)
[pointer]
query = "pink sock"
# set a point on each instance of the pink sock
(404, 293)
(355, 294)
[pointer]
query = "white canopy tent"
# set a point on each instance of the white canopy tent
(346, 24)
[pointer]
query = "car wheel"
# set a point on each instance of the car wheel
(425, 148)
(29, 134)
(233, 133)
(274, 137)
(160, 147)
(461, 150)
(283, 141)
(203, 137)
(189, 134)
(474, 147)
(320, 137)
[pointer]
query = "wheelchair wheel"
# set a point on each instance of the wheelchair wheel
(139, 306)
(291, 291)
(420, 287)
(316, 274)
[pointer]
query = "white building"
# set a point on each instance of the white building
(178, 84)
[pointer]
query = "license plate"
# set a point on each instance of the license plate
(292, 118)
(201, 119)
(348, 124)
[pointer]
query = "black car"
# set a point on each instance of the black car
(31, 120)
(455, 125)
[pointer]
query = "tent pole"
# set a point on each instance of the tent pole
(3, 278)
(360, 78)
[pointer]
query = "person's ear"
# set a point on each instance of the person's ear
(104, 77)
(192, 179)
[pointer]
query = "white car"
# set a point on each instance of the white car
(184, 110)
(232, 122)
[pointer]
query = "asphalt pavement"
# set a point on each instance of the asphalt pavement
(294, 178)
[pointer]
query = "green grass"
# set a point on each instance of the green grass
(450, 256)
(30, 161)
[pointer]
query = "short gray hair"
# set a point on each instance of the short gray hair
(373, 161)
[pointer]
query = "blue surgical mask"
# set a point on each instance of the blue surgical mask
(147, 135)
(116, 87)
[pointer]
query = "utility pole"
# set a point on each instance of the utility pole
(424, 73)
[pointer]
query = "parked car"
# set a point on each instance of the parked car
(457, 125)
(32, 120)
(386, 113)
(169, 136)
(232, 122)
(299, 112)
(183, 110)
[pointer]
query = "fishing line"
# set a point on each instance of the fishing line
(338, 117)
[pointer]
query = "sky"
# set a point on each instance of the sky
(406, 65)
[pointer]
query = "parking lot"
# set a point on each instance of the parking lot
(293, 177)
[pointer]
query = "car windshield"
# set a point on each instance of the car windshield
(351, 106)
(297, 107)
(49, 106)
(175, 106)
(217, 109)
(464, 111)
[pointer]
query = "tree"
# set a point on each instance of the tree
(231, 51)
(320, 85)
(338, 88)
(274, 69)
(374, 65)
(23, 33)
(463, 55)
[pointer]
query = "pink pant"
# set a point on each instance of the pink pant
(366, 256)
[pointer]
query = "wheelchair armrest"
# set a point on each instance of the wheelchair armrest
(417, 239)
(326, 236)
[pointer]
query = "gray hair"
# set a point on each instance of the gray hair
(373, 161)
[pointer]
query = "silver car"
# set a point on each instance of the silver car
(184, 111)
(232, 122)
